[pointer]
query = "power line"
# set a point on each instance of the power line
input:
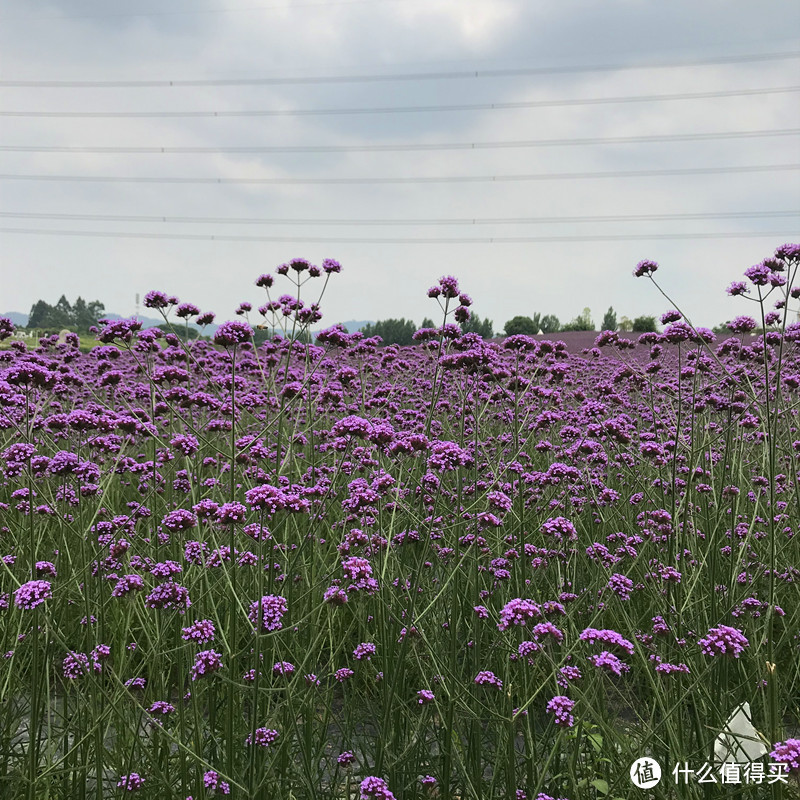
(302, 112)
(182, 12)
(399, 76)
(405, 240)
(404, 180)
(391, 222)
(400, 147)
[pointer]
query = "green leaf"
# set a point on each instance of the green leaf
(600, 785)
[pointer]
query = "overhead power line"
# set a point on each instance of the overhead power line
(304, 112)
(399, 76)
(543, 176)
(404, 240)
(392, 222)
(400, 147)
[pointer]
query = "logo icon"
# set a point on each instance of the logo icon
(645, 773)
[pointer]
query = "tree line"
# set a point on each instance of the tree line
(401, 331)
(78, 317)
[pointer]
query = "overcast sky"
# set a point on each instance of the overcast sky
(179, 40)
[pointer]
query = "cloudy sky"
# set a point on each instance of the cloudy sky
(534, 62)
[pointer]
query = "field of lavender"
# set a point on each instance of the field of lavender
(461, 569)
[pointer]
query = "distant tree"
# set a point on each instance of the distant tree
(624, 325)
(428, 323)
(40, 314)
(549, 323)
(525, 325)
(721, 329)
(63, 315)
(483, 327)
(644, 325)
(583, 322)
(609, 320)
(79, 317)
(392, 331)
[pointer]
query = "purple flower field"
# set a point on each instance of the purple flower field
(461, 569)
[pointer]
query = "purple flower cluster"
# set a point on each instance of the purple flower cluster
(373, 788)
(206, 662)
(32, 594)
(201, 631)
(264, 737)
(518, 612)
(723, 640)
(268, 612)
(561, 706)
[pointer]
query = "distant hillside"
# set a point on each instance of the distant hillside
(19, 320)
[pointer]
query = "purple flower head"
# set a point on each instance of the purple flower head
(6, 328)
(488, 678)
(788, 753)
(266, 280)
(345, 758)
(449, 286)
(186, 310)
(264, 737)
(285, 668)
(75, 665)
(122, 329)
(375, 788)
(759, 274)
(343, 674)
(364, 651)
(788, 252)
(127, 584)
(268, 612)
(231, 513)
(561, 707)
(723, 640)
(621, 585)
(161, 707)
(155, 299)
(607, 637)
(518, 612)
(179, 520)
(206, 662)
(609, 662)
(670, 316)
(213, 783)
(742, 324)
(559, 527)
(169, 595)
(299, 265)
(425, 696)
(645, 268)
(206, 318)
(32, 594)
(737, 288)
(200, 631)
(130, 783)
(331, 265)
(229, 334)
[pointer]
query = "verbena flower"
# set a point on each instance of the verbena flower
(264, 737)
(788, 753)
(32, 594)
(561, 706)
(723, 640)
(372, 787)
(206, 662)
(268, 612)
(130, 783)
